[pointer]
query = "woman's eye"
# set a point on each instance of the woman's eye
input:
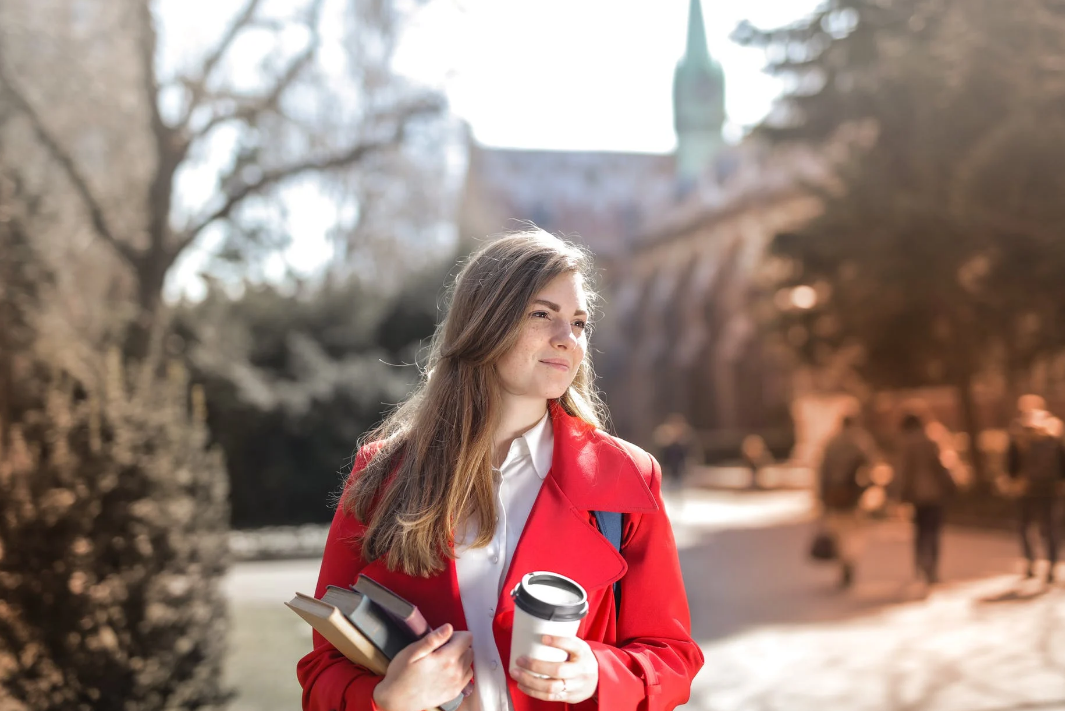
(581, 324)
(539, 314)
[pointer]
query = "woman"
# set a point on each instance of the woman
(924, 482)
(502, 441)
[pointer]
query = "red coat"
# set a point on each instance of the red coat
(646, 660)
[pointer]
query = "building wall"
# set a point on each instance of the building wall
(679, 332)
(676, 330)
(602, 199)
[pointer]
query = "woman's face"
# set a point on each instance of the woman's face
(551, 343)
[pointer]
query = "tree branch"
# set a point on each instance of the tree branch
(146, 44)
(252, 108)
(198, 87)
(66, 161)
(170, 147)
(268, 179)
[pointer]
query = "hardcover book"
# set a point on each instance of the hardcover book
(401, 610)
(368, 630)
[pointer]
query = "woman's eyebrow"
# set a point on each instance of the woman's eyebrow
(556, 308)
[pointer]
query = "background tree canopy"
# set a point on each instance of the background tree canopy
(292, 382)
(934, 259)
(122, 153)
(138, 144)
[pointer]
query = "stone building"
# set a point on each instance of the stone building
(680, 332)
(607, 199)
(679, 239)
(603, 199)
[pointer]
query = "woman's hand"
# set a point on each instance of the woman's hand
(571, 681)
(427, 673)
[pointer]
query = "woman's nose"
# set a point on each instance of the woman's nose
(563, 337)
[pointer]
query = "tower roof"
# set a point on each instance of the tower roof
(696, 52)
(698, 100)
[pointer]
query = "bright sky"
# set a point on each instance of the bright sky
(584, 74)
(553, 74)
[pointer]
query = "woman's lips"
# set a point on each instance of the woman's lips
(559, 364)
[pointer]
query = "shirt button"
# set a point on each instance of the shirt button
(495, 665)
(494, 559)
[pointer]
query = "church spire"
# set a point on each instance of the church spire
(698, 101)
(696, 53)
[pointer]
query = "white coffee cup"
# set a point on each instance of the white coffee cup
(545, 603)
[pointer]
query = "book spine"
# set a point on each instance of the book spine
(386, 634)
(416, 624)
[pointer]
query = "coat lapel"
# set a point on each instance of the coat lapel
(589, 472)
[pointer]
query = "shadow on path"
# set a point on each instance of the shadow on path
(779, 635)
(748, 577)
(1019, 592)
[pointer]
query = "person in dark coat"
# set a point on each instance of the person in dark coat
(674, 439)
(840, 490)
(923, 481)
(1035, 461)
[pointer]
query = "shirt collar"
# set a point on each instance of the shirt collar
(540, 439)
(537, 443)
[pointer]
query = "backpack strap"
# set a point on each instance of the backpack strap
(610, 526)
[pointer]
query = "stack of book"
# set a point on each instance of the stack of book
(367, 623)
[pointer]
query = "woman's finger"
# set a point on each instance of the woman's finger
(573, 645)
(530, 683)
(431, 642)
(538, 666)
(534, 680)
(569, 670)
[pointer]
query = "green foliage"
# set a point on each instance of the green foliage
(293, 382)
(937, 251)
(112, 526)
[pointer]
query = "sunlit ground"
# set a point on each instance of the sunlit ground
(775, 631)
(777, 634)
(266, 639)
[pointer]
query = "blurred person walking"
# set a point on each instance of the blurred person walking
(1035, 464)
(922, 481)
(756, 456)
(840, 492)
(674, 439)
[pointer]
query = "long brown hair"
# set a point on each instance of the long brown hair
(433, 466)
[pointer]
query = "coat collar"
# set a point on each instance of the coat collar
(593, 470)
(590, 471)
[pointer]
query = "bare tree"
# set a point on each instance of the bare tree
(285, 126)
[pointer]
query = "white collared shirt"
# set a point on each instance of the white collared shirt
(481, 571)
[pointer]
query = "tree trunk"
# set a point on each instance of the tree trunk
(145, 328)
(1007, 407)
(964, 386)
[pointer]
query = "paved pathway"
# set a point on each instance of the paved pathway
(776, 633)
(778, 636)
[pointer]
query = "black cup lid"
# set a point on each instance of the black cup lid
(544, 609)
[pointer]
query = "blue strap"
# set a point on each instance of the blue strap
(610, 526)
